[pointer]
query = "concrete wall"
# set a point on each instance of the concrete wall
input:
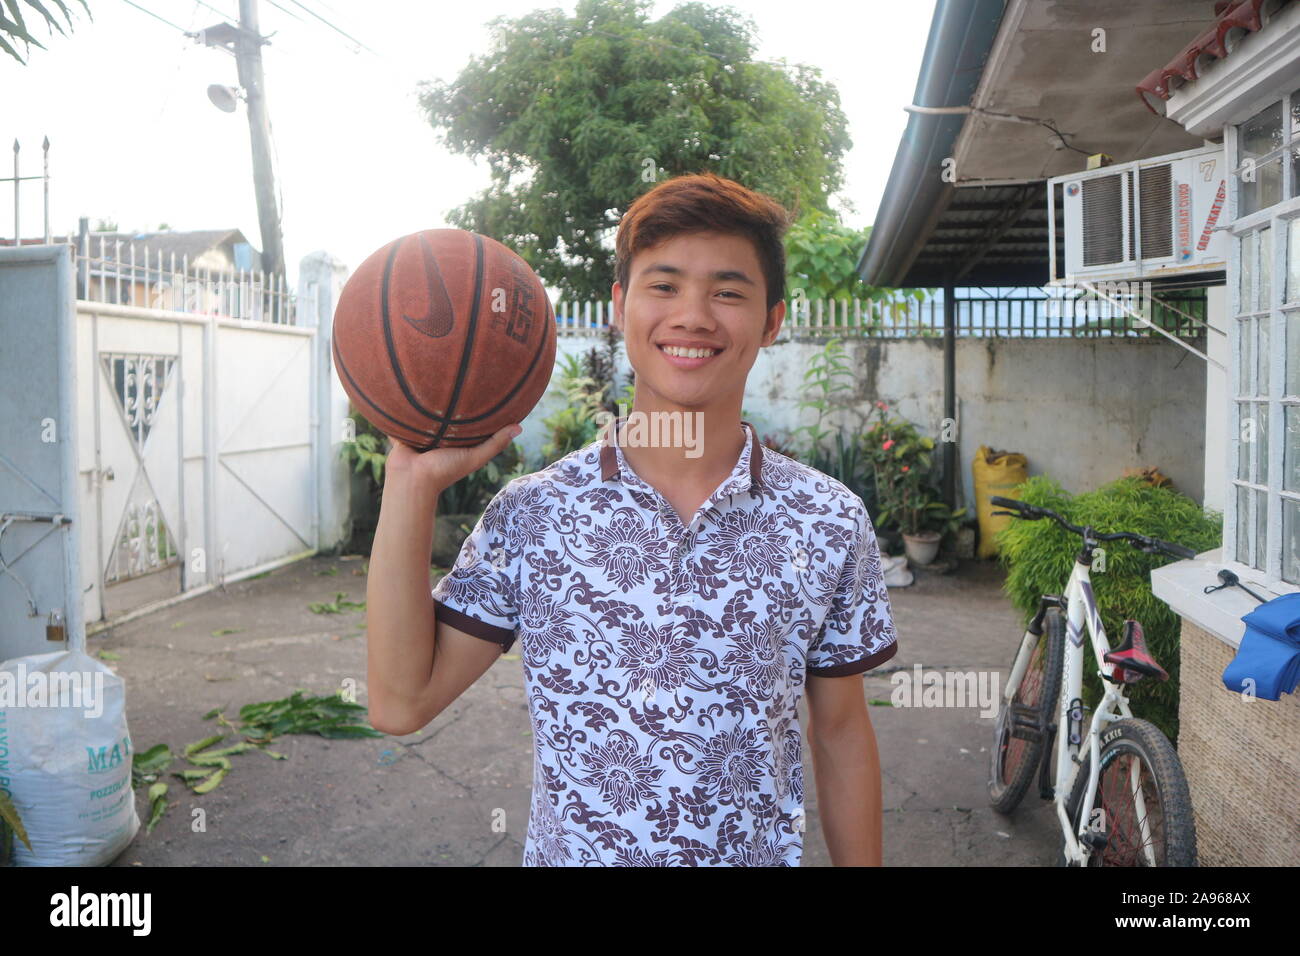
(1081, 410)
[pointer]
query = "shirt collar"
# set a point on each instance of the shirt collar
(751, 456)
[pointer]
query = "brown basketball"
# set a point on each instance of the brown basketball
(444, 337)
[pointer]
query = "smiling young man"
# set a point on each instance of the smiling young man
(672, 604)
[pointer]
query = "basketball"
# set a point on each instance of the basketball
(444, 337)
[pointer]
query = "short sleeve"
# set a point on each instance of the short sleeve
(479, 595)
(858, 631)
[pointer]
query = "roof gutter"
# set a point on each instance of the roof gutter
(961, 36)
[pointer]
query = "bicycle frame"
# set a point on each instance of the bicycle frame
(1081, 613)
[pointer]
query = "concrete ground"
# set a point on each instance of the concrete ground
(457, 793)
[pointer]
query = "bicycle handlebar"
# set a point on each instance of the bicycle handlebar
(1028, 512)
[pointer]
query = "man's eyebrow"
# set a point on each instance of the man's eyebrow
(722, 275)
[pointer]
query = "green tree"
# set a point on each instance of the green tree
(13, 25)
(821, 262)
(821, 258)
(578, 115)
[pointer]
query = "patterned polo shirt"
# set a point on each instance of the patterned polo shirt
(664, 662)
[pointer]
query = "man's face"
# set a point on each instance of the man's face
(696, 290)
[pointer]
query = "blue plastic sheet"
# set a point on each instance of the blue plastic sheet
(1267, 664)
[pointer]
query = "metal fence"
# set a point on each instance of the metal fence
(1029, 314)
(115, 272)
(130, 273)
(176, 285)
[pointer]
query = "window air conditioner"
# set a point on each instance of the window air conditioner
(1149, 219)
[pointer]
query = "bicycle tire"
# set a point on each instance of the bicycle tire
(1015, 760)
(1163, 781)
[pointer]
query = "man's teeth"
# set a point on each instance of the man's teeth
(689, 353)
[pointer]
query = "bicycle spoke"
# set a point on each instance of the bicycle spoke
(1027, 694)
(1125, 789)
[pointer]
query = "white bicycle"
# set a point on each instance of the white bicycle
(1128, 803)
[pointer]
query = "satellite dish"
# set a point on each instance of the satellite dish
(224, 98)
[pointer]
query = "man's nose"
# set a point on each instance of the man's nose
(694, 313)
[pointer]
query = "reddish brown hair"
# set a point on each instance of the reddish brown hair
(705, 203)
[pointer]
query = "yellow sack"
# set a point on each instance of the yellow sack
(996, 473)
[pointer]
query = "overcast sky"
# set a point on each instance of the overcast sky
(135, 140)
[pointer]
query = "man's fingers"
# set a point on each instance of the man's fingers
(494, 446)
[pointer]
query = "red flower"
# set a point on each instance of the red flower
(882, 406)
(888, 445)
(905, 467)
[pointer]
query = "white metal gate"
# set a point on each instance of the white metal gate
(209, 438)
(200, 462)
(163, 429)
(135, 475)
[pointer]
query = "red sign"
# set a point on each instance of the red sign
(1214, 215)
(1184, 221)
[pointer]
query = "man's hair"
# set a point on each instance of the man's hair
(705, 203)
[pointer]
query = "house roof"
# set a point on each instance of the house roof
(1038, 90)
(1236, 19)
(190, 243)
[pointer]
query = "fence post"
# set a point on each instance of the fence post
(320, 279)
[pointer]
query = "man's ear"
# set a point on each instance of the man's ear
(775, 316)
(616, 293)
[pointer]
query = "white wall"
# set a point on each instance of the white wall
(1216, 400)
(1082, 410)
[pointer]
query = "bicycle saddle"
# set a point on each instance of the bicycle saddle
(1131, 659)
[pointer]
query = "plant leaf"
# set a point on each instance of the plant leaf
(203, 744)
(9, 813)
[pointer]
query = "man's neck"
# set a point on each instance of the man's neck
(696, 449)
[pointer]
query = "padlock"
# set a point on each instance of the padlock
(54, 629)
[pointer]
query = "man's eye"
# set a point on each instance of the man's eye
(662, 285)
(729, 292)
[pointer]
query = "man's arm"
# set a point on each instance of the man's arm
(416, 666)
(846, 764)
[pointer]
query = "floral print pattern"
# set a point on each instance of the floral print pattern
(664, 663)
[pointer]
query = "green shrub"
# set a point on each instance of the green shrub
(1040, 556)
(575, 425)
(367, 456)
(471, 493)
(837, 453)
(368, 452)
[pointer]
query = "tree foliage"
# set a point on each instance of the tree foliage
(821, 258)
(14, 29)
(578, 115)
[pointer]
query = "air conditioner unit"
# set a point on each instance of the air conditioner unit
(1149, 219)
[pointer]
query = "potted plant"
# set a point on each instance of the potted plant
(942, 521)
(911, 505)
(901, 459)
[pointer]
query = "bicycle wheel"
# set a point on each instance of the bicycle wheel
(1136, 750)
(1021, 730)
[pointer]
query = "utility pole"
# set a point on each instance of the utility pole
(247, 42)
(248, 54)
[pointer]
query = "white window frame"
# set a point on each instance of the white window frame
(1278, 219)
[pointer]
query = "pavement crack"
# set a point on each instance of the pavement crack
(435, 733)
(460, 783)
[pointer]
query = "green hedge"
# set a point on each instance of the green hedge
(1040, 554)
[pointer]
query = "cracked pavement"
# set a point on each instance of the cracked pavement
(457, 792)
